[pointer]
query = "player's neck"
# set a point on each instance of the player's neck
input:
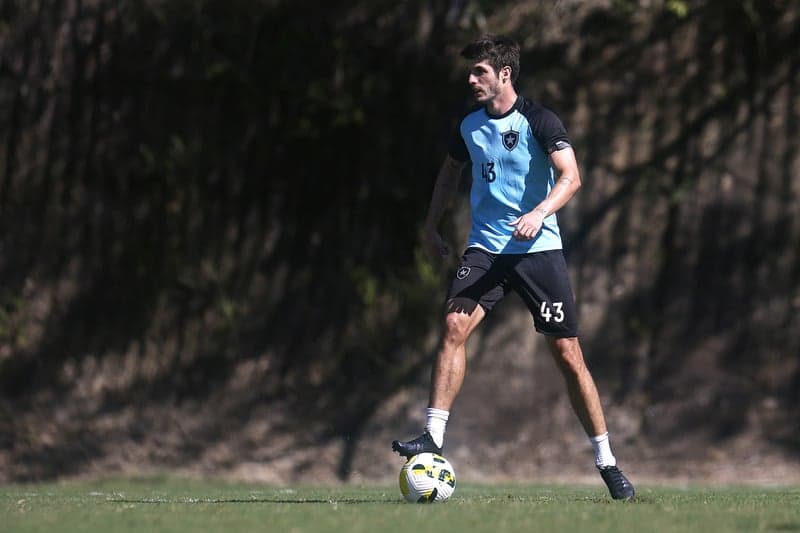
(502, 103)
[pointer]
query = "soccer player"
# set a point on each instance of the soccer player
(523, 171)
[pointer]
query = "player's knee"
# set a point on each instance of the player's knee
(456, 328)
(569, 356)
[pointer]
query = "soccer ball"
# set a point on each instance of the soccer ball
(427, 478)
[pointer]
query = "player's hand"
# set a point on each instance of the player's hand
(434, 244)
(527, 226)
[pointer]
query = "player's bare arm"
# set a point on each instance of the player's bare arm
(442, 198)
(569, 181)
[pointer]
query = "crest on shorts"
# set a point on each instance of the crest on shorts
(462, 273)
(510, 139)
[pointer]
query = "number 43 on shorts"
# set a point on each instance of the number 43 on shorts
(552, 311)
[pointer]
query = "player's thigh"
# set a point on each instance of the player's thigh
(542, 280)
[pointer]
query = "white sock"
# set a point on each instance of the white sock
(436, 422)
(602, 451)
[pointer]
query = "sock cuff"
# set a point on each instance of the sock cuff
(600, 438)
(441, 414)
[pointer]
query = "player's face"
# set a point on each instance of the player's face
(484, 82)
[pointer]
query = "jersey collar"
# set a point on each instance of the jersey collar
(517, 103)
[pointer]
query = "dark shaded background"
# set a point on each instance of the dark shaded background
(209, 218)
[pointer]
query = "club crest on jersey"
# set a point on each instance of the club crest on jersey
(510, 139)
(463, 272)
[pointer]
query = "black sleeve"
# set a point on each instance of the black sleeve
(548, 130)
(457, 148)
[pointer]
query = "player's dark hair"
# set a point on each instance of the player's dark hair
(498, 50)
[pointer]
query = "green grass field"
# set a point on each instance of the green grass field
(180, 505)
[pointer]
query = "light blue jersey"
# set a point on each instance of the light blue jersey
(511, 173)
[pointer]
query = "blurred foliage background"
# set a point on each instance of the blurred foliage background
(209, 217)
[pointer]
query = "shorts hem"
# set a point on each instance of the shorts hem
(559, 335)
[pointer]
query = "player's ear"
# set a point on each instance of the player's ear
(505, 73)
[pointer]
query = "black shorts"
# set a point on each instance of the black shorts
(540, 278)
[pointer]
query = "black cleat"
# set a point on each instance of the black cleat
(422, 444)
(618, 485)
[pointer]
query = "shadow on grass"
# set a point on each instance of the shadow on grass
(197, 501)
